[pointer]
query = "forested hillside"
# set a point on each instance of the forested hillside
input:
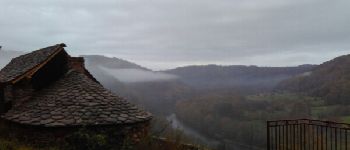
(322, 93)
(152, 89)
(330, 80)
(214, 76)
(108, 62)
(235, 118)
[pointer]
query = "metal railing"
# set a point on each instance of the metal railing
(306, 134)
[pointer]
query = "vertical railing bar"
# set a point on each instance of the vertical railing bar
(293, 136)
(317, 136)
(283, 136)
(310, 137)
(275, 138)
(336, 138)
(304, 136)
(271, 138)
(340, 139)
(279, 137)
(331, 138)
(300, 137)
(268, 135)
(314, 130)
(326, 138)
(287, 134)
(346, 139)
(322, 137)
(313, 137)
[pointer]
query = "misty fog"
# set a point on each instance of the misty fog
(137, 75)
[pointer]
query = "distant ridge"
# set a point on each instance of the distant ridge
(111, 62)
(216, 76)
(330, 80)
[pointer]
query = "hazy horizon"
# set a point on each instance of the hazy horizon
(9, 56)
(166, 34)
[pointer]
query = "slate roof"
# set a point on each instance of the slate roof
(76, 100)
(21, 64)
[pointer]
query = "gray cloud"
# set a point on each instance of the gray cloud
(167, 33)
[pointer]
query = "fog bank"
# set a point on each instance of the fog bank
(138, 75)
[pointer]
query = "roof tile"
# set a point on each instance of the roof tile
(80, 101)
(21, 64)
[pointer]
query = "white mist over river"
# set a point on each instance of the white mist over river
(198, 137)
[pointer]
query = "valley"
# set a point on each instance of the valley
(226, 107)
(232, 103)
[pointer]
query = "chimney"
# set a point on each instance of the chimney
(77, 63)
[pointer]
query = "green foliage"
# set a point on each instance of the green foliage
(163, 136)
(106, 139)
(86, 140)
(6, 144)
(156, 143)
(96, 139)
(330, 81)
(241, 119)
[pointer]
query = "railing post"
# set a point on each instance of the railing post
(268, 135)
(346, 139)
(287, 135)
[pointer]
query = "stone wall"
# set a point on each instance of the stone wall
(44, 136)
(137, 132)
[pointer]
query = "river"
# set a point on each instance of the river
(204, 140)
(198, 137)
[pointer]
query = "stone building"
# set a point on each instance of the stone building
(49, 92)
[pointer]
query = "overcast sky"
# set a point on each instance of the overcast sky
(163, 34)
